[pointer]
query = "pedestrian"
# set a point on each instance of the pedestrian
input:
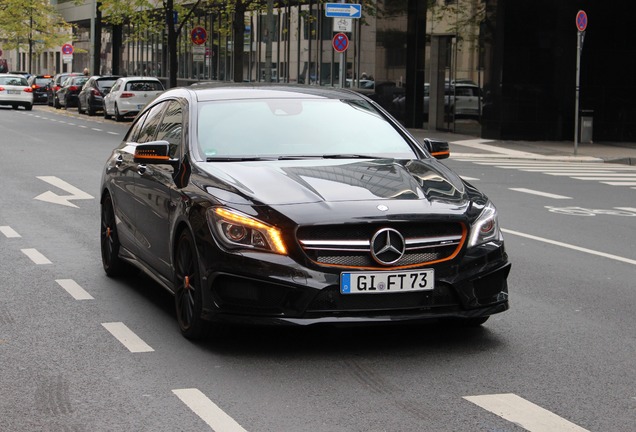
(85, 71)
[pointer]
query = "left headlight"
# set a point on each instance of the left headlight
(239, 231)
(486, 227)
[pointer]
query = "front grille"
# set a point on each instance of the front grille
(350, 246)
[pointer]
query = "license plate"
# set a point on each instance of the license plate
(387, 282)
(139, 107)
(13, 91)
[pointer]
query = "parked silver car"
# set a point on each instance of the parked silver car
(129, 95)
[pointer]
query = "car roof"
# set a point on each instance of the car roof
(13, 75)
(139, 78)
(230, 91)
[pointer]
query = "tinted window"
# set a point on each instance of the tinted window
(151, 124)
(16, 81)
(171, 127)
(144, 86)
(133, 133)
(105, 83)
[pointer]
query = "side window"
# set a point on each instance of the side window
(171, 128)
(133, 133)
(151, 124)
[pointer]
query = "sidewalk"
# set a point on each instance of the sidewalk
(471, 146)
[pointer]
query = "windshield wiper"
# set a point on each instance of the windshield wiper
(327, 156)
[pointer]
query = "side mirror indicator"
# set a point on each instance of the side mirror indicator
(438, 149)
(154, 152)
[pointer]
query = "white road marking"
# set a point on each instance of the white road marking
(36, 256)
(569, 246)
(619, 183)
(9, 232)
(605, 178)
(112, 133)
(524, 413)
(209, 412)
(74, 289)
(52, 197)
(129, 339)
(543, 194)
(629, 209)
(97, 130)
(469, 178)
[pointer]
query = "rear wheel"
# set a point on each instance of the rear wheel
(187, 287)
(113, 264)
(28, 107)
(79, 107)
(118, 117)
(106, 115)
(90, 110)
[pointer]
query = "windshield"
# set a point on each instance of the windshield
(297, 127)
(11, 80)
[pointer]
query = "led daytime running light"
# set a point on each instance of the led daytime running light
(273, 234)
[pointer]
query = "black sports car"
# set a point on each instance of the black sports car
(269, 204)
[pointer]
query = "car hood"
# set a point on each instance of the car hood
(278, 183)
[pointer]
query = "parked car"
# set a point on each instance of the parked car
(40, 85)
(56, 85)
(129, 95)
(66, 96)
(15, 91)
(91, 97)
(241, 203)
(461, 99)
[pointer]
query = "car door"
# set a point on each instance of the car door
(156, 190)
(109, 100)
(123, 173)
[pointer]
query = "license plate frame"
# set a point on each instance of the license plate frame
(387, 282)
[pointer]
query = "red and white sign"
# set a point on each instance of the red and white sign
(67, 49)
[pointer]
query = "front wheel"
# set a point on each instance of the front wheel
(113, 264)
(187, 288)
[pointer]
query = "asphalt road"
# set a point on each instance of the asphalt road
(83, 352)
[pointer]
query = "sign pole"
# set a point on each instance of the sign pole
(342, 64)
(581, 25)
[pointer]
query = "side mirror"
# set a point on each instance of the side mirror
(438, 149)
(154, 152)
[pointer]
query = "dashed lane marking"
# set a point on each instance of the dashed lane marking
(9, 232)
(127, 338)
(36, 256)
(524, 413)
(208, 411)
(74, 289)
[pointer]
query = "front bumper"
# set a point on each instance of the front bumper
(272, 289)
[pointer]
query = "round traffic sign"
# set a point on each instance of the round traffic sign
(581, 20)
(198, 36)
(340, 42)
(67, 49)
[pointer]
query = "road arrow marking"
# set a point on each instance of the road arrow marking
(49, 196)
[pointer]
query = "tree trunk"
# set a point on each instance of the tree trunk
(238, 25)
(173, 65)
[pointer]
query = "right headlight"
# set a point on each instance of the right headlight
(486, 227)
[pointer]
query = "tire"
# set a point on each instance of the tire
(113, 265)
(79, 107)
(56, 103)
(118, 117)
(106, 115)
(14, 106)
(188, 298)
(90, 111)
(28, 107)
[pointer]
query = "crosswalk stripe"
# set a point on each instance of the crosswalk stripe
(524, 413)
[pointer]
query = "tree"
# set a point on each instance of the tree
(32, 25)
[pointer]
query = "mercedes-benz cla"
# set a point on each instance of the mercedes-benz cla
(297, 205)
